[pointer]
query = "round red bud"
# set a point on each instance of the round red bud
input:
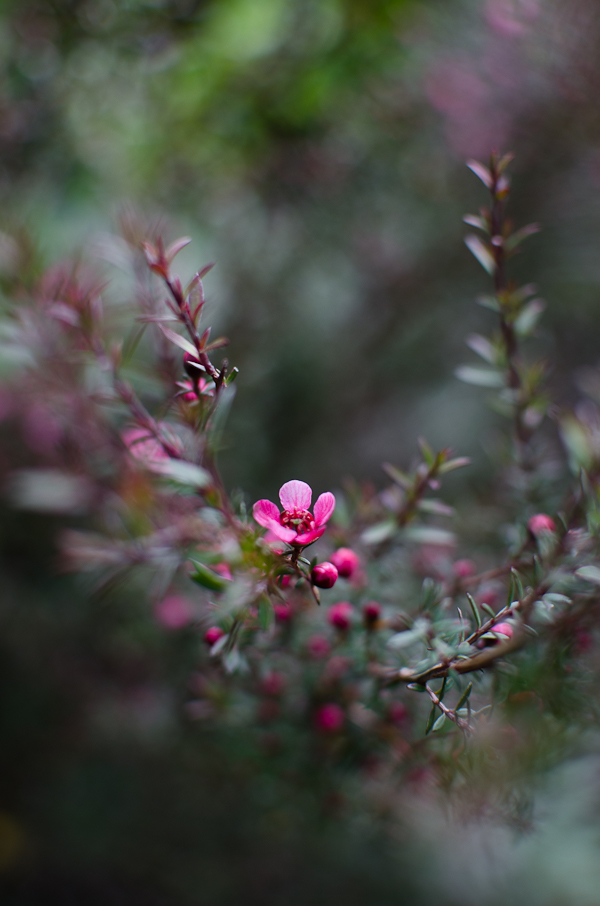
(340, 615)
(212, 635)
(346, 562)
(324, 575)
(329, 718)
(372, 612)
(541, 524)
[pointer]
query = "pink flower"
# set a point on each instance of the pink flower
(324, 575)
(340, 615)
(541, 524)
(143, 446)
(174, 612)
(329, 718)
(296, 525)
(346, 562)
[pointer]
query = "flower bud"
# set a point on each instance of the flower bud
(371, 612)
(464, 568)
(318, 646)
(212, 635)
(329, 718)
(284, 580)
(541, 524)
(174, 612)
(346, 562)
(504, 629)
(191, 365)
(324, 575)
(272, 684)
(283, 613)
(340, 615)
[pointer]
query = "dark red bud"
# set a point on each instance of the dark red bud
(372, 612)
(212, 635)
(324, 575)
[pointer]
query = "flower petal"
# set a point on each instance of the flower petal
(264, 511)
(324, 507)
(309, 537)
(295, 495)
(282, 532)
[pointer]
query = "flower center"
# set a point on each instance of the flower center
(299, 520)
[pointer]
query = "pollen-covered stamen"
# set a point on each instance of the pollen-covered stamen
(300, 520)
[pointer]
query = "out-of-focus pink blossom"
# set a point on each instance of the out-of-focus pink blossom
(283, 613)
(397, 713)
(541, 524)
(212, 635)
(346, 562)
(223, 570)
(174, 612)
(371, 612)
(284, 580)
(324, 575)
(318, 646)
(143, 447)
(504, 629)
(329, 718)
(272, 684)
(488, 594)
(296, 524)
(340, 615)
(464, 568)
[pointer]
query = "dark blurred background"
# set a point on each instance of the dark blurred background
(314, 149)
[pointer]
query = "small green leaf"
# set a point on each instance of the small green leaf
(265, 613)
(429, 534)
(379, 532)
(481, 252)
(486, 607)
(426, 451)
(480, 377)
(439, 723)
(416, 687)
(528, 317)
(477, 222)
(589, 573)
(181, 472)
(474, 609)
(482, 172)
(430, 720)
(483, 348)
(464, 697)
(520, 235)
(458, 463)
(205, 577)
(401, 478)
